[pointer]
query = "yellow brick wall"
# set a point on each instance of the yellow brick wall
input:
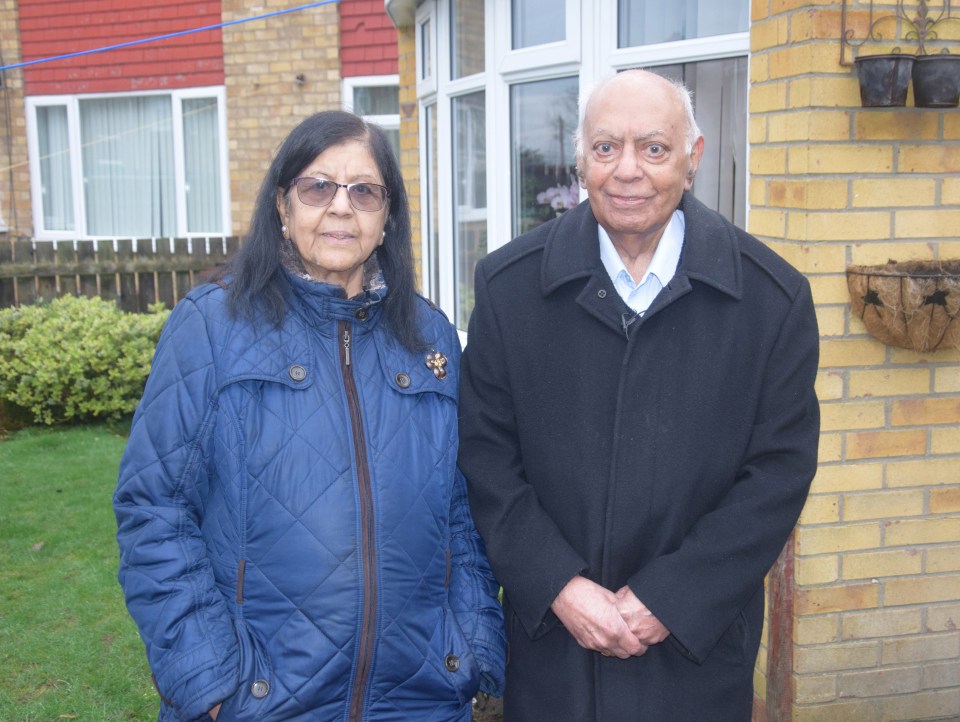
(877, 566)
(409, 131)
(14, 165)
(265, 98)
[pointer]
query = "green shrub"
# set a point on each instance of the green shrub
(76, 359)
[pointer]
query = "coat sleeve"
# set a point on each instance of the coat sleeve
(529, 553)
(473, 593)
(698, 589)
(164, 570)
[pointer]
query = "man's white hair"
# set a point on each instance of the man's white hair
(684, 98)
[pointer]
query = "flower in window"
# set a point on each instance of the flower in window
(561, 197)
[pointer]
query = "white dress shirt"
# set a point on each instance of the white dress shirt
(663, 265)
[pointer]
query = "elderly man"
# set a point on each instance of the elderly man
(639, 430)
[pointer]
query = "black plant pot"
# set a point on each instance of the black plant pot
(936, 81)
(884, 79)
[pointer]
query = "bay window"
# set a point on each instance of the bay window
(498, 98)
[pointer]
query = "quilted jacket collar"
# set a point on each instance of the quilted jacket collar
(323, 302)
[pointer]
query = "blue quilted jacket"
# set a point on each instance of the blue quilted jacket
(295, 540)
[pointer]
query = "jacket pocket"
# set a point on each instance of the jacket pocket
(258, 692)
(732, 645)
(458, 663)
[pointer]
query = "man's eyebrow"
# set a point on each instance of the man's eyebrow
(601, 132)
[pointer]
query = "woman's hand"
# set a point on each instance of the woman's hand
(214, 712)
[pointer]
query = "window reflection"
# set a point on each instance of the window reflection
(643, 22)
(536, 22)
(470, 197)
(467, 33)
(543, 117)
(433, 223)
(426, 52)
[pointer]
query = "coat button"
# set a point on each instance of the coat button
(361, 314)
(452, 662)
(260, 688)
(601, 293)
(297, 372)
(403, 380)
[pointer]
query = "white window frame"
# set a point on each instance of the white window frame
(388, 121)
(589, 51)
(72, 105)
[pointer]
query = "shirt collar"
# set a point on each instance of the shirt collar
(665, 259)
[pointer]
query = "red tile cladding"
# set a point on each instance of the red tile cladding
(368, 39)
(50, 29)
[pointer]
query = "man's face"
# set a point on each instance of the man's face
(635, 163)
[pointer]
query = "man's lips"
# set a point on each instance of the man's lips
(627, 200)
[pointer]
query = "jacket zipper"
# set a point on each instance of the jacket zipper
(367, 548)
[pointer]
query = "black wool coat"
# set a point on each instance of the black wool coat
(672, 453)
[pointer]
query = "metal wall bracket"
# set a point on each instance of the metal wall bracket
(915, 24)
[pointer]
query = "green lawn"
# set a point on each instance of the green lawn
(68, 649)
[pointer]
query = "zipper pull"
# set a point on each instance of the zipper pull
(346, 346)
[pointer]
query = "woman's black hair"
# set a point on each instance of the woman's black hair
(255, 278)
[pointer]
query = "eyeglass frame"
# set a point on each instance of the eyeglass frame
(383, 200)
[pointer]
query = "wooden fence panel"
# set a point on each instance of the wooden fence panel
(135, 274)
(87, 277)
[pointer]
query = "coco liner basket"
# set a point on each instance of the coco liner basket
(913, 305)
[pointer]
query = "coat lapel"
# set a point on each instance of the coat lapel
(711, 255)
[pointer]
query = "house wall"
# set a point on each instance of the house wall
(409, 132)
(876, 558)
(15, 202)
(368, 40)
(51, 28)
(278, 71)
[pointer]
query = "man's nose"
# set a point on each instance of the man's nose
(630, 164)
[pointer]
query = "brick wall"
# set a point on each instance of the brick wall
(368, 39)
(278, 71)
(14, 164)
(409, 132)
(192, 60)
(877, 553)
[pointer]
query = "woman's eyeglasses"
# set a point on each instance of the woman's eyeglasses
(320, 192)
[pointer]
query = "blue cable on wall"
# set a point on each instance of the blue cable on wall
(167, 36)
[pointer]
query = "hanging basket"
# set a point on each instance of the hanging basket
(915, 304)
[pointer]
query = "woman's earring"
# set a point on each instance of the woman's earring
(283, 231)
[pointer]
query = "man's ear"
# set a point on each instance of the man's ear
(696, 153)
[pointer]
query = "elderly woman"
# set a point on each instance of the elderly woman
(295, 540)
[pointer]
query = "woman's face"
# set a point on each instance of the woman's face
(335, 240)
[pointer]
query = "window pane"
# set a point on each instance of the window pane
(536, 22)
(433, 222)
(54, 147)
(644, 22)
(376, 100)
(201, 149)
(128, 172)
(426, 52)
(543, 117)
(470, 198)
(720, 105)
(466, 18)
(393, 136)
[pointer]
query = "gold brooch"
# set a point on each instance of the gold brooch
(436, 362)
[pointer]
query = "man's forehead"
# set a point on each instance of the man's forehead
(631, 135)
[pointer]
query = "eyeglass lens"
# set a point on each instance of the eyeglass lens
(320, 192)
